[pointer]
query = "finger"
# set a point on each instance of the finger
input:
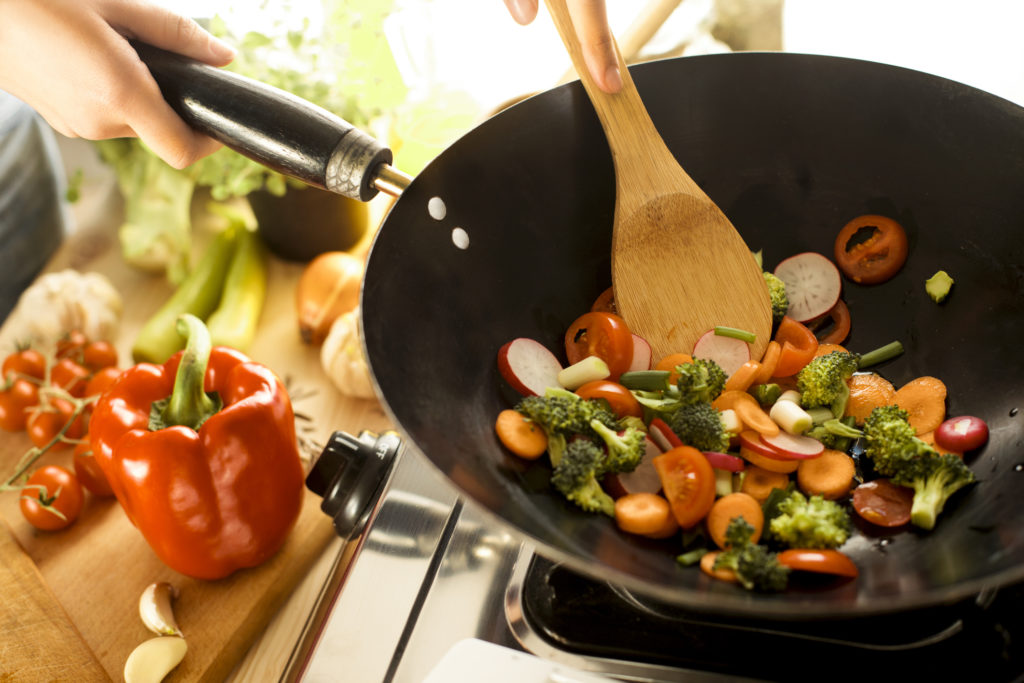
(168, 30)
(523, 11)
(599, 52)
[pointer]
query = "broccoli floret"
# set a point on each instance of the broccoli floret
(625, 450)
(700, 425)
(835, 433)
(896, 452)
(766, 394)
(565, 413)
(576, 473)
(700, 381)
(822, 382)
(756, 567)
(779, 298)
(810, 522)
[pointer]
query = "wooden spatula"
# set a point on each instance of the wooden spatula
(679, 267)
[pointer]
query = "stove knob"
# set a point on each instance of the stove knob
(350, 475)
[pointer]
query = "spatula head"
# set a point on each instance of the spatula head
(679, 269)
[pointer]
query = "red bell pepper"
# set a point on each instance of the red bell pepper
(202, 455)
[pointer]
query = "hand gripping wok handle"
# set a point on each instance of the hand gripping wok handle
(277, 129)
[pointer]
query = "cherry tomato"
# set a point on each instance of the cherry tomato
(604, 335)
(883, 503)
(798, 347)
(840, 327)
(28, 362)
(962, 434)
(97, 355)
(47, 419)
(605, 302)
(619, 398)
(15, 403)
(819, 561)
(71, 345)
(52, 498)
(101, 380)
(688, 482)
(876, 258)
(89, 472)
(70, 376)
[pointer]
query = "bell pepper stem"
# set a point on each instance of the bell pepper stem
(189, 405)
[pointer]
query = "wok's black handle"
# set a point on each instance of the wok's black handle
(277, 129)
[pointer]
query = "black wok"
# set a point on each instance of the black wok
(791, 147)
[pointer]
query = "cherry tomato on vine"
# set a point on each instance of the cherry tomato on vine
(15, 403)
(70, 376)
(601, 334)
(47, 419)
(97, 355)
(28, 362)
(619, 398)
(52, 498)
(71, 344)
(688, 482)
(101, 380)
(89, 472)
(878, 256)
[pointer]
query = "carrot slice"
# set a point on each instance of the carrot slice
(826, 348)
(768, 362)
(868, 390)
(730, 397)
(642, 513)
(521, 436)
(707, 565)
(924, 399)
(728, 508)
(754, 416)
(669, 363)
(830, 475)
(759, 482)
(929, 438)
(743, 377)
(766, 463)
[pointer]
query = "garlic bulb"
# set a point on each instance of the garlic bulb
(63, 301)
(341, 357)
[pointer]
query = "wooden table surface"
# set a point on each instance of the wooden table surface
(76, 614)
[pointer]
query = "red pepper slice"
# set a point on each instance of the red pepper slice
(219, 485)
(875, 259)
(798, 347)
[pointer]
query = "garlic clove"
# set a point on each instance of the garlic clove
(153, 659)
(156, 610)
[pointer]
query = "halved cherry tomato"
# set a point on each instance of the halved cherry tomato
(619, 398)
(89, 472)
(798, 347)
(883, 503)
(28, 362)
(876, 258)
(99, 354)
(688, 482)
(604, 335)
(70, 376)
(819, 561)
(15, 403)
(52, 498)
(605, 302)
(839, 329)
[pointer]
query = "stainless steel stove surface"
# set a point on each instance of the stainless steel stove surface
(432, 570)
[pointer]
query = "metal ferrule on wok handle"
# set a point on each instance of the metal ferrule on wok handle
(274, 128)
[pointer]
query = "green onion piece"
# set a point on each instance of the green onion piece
(645, 380)
(742, 335)
(692, 557)
(880, 355)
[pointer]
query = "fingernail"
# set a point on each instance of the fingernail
(222, 50)
(523, 11)
(613, 79)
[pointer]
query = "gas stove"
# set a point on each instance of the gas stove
(430, 570)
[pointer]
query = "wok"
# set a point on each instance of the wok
(791, 147)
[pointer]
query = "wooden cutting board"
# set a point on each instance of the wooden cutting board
(70, 598)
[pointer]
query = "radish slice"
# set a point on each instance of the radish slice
(642, 354)
(724, 461)
(812, 283)
(751, 440)
(644, 479)
(792, 446)
(728, 352)
(663, 435)
(528, 366)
